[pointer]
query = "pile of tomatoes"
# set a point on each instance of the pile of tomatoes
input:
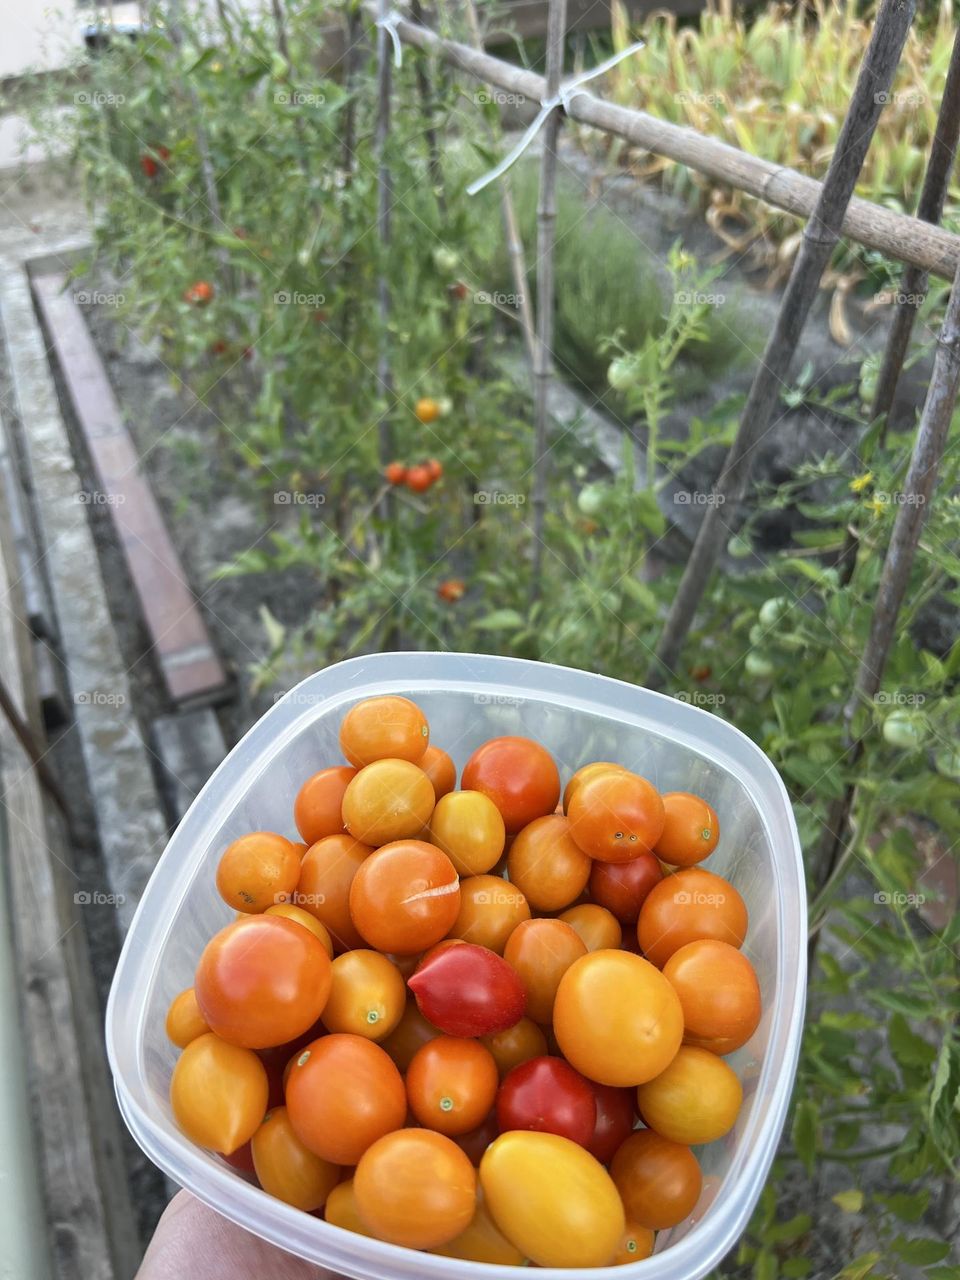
(488, 1022)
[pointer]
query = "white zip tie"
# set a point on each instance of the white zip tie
(563, 98)
(389, 23)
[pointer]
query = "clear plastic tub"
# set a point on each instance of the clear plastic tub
(469, 698)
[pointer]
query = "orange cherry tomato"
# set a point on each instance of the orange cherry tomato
(218, 1093)
(695, 1100)
(326, 874)
(388, 800)
(468, 827)
(440, 769)
(636, 1243)
(719, 994)
(659, 1181)
(419, 479)
(257, 871)
(416, 1188)
(615, 816)
(299, 915)
(616, 1018)
(519, 776)
(367, 995)
(597, 928)
(452, 1084)
(541, 951)
(584, 774)
(483, 1241)
(622, 887)
(427, 409)
(286, 1169)
(384, 728)
(490, 910)
(184, 1020)
(343, 1093)
(405, 897)
(410, 1034)
(546, 864)
(262, 981)
(691, 830)
(395, 473)
(685, 907)
(341, 1210)
(435, 467)
(317, 808)
(518, 1044)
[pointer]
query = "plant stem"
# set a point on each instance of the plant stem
(384, 201)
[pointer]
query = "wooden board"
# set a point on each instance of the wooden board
(180, 640)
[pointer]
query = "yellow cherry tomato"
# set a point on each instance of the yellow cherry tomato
(367, 995)
(185, 1022)
(341, 1210)
(299, 916)
(468, 827)
(695, 1100)
(286, 1168)
(219, 1092)
(483, 1241)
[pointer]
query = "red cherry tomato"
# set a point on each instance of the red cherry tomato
(622, 887)
(468, 990)
(615, 1120)
(519, 776)
(548, 1096)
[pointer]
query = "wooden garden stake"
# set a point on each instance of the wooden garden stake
(425, 92)
(820, 236)
(384, 200)
(546, 237)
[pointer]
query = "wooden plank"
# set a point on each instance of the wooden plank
(25, 561)
(179, 637)
(189, 746)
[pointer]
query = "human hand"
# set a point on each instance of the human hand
(191, 1240)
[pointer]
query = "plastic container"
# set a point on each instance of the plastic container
(468, 699)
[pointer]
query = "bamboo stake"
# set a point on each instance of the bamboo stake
(384, 201)
(425, 92)
(899, 236)
(913, 286)
(546, 238)
(820, 237)
(511, 227)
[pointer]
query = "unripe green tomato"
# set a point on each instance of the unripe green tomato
(592, 499)
(759, 665)
(622, 373)
(901, 729)
(445, 260)
(772, 610)
(739, 547)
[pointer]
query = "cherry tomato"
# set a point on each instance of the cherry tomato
(615, 816)
(690, 831)
(548, 1096)
(317, 808)
(636, 1243)
(286, 1169)
(343, 1093)
(440, 769)
(184, 1020)
(435, 467)
(519, 776)
(519, 1043)
(546, 865)
(685, 907)
(419, 479)
(616, 1113)
(552, 1200)
(468, 991)
(427, 410)
(395, 473)
(586, 772)
(218, 1093)
(341, 1210)
(257, 871)
(303, 918)
(596, 927)
(367, 995)
(616, 1018)
(541, 951)
(415, 1188)
(622, 887)
(695, 1100)
(659, 1181)
(483, 1241)
(477, 1140)
(490, 910)
(468, 827)
(262, 981)
(719, 994)
(405, 897)
(451, 1085)
(384, 728)
(451, 590)
(388, 800)
(411, 1032)
(326, 874)
(199, 294)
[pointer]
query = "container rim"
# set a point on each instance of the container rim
(710, 1239)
